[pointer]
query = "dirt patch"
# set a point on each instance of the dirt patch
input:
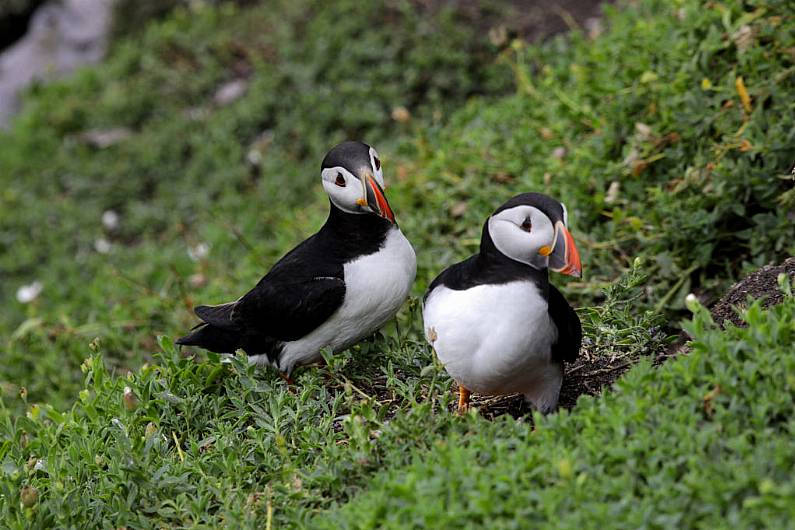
(528, 20)
(762, 284)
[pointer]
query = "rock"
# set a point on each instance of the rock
(63, 35)
(14, 18)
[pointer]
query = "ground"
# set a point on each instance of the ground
(761, 285)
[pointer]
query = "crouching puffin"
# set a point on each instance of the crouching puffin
(337, 287)
(495, 321)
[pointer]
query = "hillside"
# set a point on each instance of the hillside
(180, 169)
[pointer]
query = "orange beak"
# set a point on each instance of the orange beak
(376, 199)
(565, 258)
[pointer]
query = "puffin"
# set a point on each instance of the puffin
(494, 320)
(335, 288)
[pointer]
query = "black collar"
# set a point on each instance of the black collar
(348, 235)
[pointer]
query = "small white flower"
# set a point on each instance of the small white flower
(27, 293)
(594, 27)
(199, 251)
(559, 153)
(102, 245)
(632, 157)
(110, 220)
(254, 157)
(613, 192)
(643, 131)
(692, 302)
(129, 399)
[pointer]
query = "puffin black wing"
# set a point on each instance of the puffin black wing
(289, 311)
(567, 347)
(300, 292)
(271, 313)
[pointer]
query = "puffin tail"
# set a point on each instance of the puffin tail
(216, 333)
(211, 338)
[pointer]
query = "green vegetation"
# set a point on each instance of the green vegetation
(699, 441)
(669, 137)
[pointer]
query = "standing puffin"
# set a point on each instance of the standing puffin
(337, 287)
(495, 321)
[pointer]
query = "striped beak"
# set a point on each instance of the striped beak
(565, 258)
(374, 198)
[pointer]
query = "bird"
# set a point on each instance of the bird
(335, 288)
(494, 320)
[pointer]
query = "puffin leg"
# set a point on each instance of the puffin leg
(287, 379)
(463, 399)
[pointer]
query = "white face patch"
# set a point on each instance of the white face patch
(346, 190)
(375, 163)
(345, 196)
(520, 232)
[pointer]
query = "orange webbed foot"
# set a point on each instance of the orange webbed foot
(463, 399)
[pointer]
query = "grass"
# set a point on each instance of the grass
(646, 132)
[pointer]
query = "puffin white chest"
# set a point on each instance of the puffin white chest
(376, 285)
(493, 339)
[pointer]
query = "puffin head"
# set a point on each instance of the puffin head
(531, 229)
(353, 180)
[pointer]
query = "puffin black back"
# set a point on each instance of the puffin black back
(342, 237)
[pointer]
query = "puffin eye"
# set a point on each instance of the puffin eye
(340, 180)
(377, 163)
(527, 225)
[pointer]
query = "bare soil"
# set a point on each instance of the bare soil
(762, 284)
(529, 20)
